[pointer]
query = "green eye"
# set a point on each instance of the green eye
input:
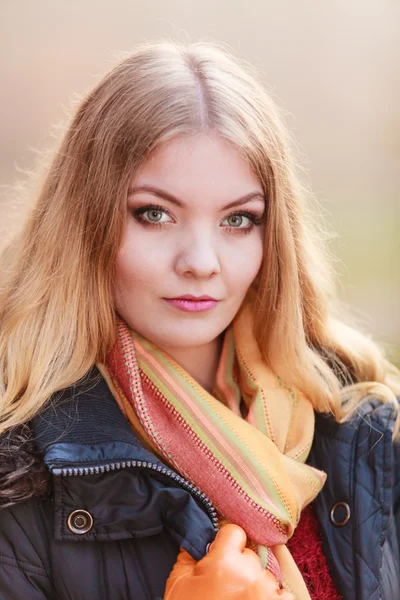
(235, 221)
(238, 221)
(154, 215)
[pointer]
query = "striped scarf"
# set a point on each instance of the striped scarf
(244, 446)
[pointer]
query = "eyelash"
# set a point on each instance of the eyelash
(254, 219)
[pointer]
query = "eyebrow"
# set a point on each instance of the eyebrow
(167, 196)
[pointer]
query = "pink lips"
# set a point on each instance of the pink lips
(190, 303)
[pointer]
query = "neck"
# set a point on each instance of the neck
(201, 362)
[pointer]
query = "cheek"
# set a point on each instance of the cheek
(137, 266)
(242, 264)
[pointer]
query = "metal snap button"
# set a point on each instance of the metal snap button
(340, 514)
(80, 521)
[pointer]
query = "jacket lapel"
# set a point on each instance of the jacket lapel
(100, 468)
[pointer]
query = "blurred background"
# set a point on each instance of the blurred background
(332, 66)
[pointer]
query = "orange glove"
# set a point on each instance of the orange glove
(229, 571)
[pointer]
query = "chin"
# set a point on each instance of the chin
(185, 337)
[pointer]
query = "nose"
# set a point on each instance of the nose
(198, 257)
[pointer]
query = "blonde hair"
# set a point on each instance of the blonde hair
(56, 303)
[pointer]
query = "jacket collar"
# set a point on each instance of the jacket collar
(100, 467)
(84, 425)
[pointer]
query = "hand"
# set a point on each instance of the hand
(229, 571)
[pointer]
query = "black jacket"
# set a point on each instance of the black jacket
(112, 523)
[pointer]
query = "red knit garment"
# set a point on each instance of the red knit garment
(305, 546)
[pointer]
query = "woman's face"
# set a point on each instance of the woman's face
(194, 229)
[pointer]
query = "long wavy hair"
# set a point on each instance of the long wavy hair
(57, 315)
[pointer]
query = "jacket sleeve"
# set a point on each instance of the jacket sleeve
(396, 484)
(22, 571)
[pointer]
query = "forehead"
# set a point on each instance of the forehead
(201, 165)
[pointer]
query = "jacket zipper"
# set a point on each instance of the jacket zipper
(113, 466)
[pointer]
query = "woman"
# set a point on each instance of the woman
(171, 363)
